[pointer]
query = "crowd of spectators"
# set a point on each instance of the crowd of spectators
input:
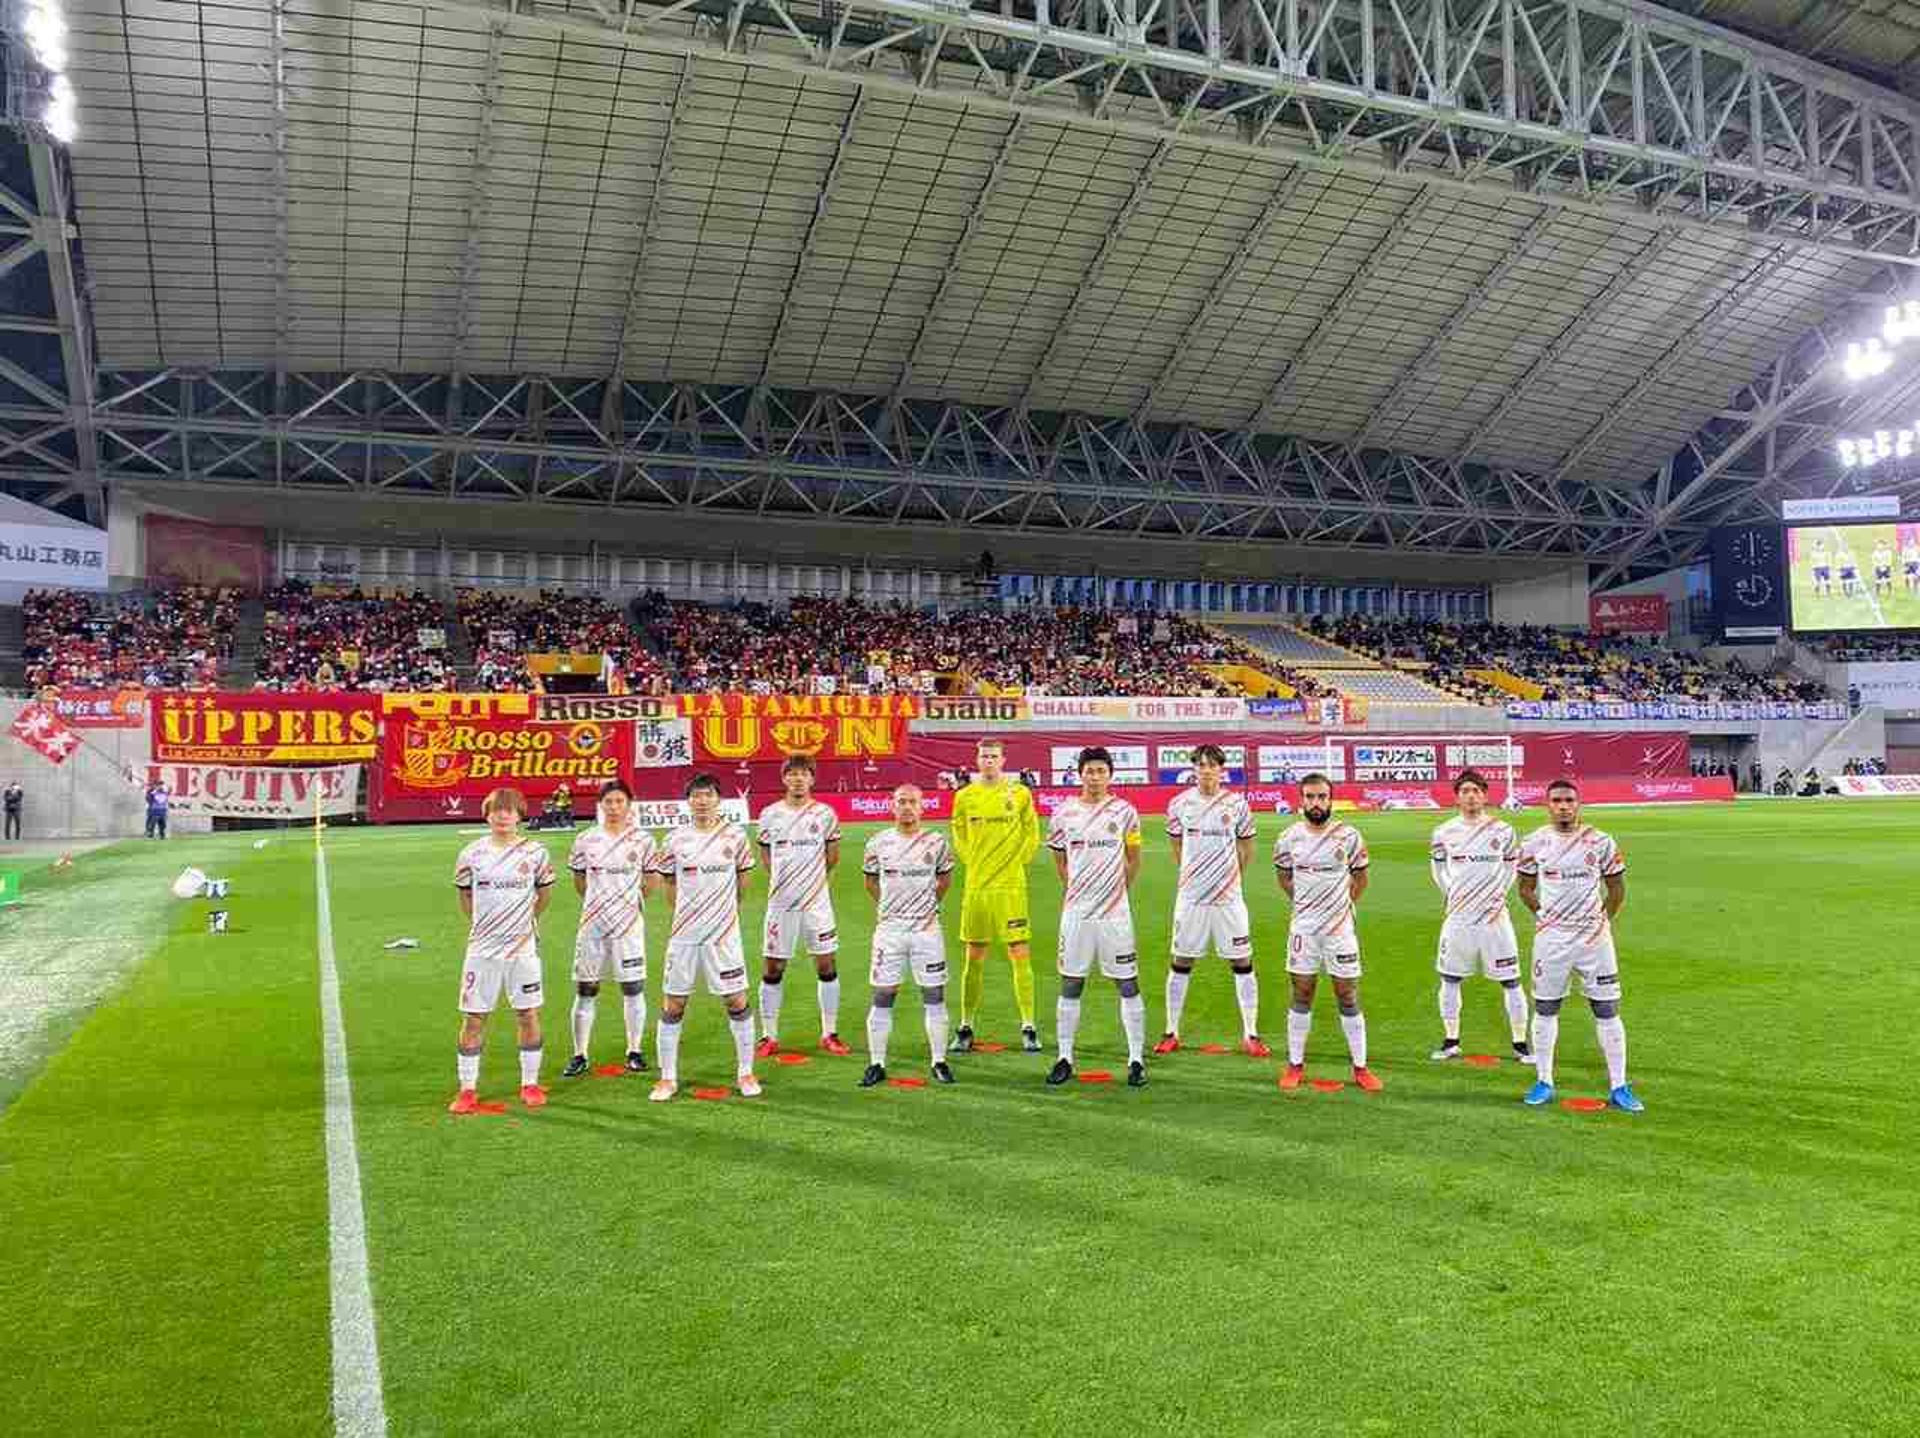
(1565, 665)
(320, 638)
(1873, 648)
(505, 628)
(169, 639)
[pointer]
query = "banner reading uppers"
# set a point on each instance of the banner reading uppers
(254, 727)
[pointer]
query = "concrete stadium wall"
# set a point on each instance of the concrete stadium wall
(1558, 599)
(96, 794)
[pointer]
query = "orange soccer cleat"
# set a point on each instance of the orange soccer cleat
(1292, 1077)
(1169, 1044)
(835, 1045)
(766, 1048)
(1366, 1079)
(466, 1101)
(1255, 1047)
(533, 1096)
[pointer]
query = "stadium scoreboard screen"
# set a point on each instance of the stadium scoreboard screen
(1853, 576)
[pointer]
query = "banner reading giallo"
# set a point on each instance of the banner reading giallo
(771, 726)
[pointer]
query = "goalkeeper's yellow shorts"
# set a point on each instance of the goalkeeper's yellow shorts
(995, 916)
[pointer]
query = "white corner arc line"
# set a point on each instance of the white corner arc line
(359, 1411)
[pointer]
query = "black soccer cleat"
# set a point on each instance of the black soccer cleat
(1136, 1074)
(636, 1062)
(1448, 1051)
(963, 1040)
(942, 1072)
(1523, 1053)
(576, 1066)
(1061, 1071)
(1030, 1039)
(875, 1074)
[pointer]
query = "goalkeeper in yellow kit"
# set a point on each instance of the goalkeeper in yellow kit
(996, 832)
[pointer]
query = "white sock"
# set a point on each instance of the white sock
(769, 1009)
(1176, 998)
(1066, 1023)
(1298, 1025)
(1546, 1033)
(742, 1028)
(1354, 1026)
(829, 1006)
(1517, 1012)
(467, 1065)
(936, 1016)
(1133, 1018)
(530, 1066)
(1613, 1043)
(583, 1007)
(1246, 988)
(879, 1027)
(634, 1007)
(667, 1041)
(1450, 1010)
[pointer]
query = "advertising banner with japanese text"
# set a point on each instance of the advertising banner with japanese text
(1627, 613)
(100, 708)
(257, 727)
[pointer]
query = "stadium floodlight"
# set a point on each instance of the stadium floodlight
(1867, 450)
(62, 116)
(1866, 358)
(43, 25)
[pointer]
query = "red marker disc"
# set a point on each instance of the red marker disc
(906, 1083)
(1097, 1076)
(1215, 1049)
(490, 1109)
(1482, 1061)
(1326, 1085)
(713, 1093)
(982, 1047)
(1583, 1105)
(611, 1070)
(791, 1060)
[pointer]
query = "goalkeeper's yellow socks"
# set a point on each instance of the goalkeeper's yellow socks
(973, 989)
(1023, 989)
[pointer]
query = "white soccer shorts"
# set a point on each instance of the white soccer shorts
(1337, 954)
(1108, 940)
(622, 955)
(722, 964)
(895, 950)
(483, 980)
(1556, 961)
(1217, 928)
(1469, 949)
(786, 929)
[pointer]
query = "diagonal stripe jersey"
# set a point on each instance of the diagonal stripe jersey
(1321, 862)
(908, 867)
(796, 843)
(615, 865)
(705, 867)
(504, 883)
(1572, 869)
(995, 832)
(1095, 837)
(1209, 831)
(1474, 864)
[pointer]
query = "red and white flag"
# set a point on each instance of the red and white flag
(39, 728)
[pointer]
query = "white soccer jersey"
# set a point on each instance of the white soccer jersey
(706, 868)
(1095, 837)
(504, 883)
(615, 866)
(908, 867)
(1572, 869)
(796, 843)
(1321, 863)
(1474, 864)
(1209, 831)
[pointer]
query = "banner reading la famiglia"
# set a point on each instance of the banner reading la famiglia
(440, 754)
(736, 727)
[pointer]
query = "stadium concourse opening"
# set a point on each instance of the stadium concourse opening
(854, 687)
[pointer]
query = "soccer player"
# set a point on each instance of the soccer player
(1321, 863)
(1849, 573)
(802, 840)
(1572, 879)
(1822, 567)
(1910, 563)
(995, 834)
(1883, 569)
(505, 882)
(1212, 833)
(610, 863)
(705, 865)
(1473, 860)
(907, 869)
(1095, 840)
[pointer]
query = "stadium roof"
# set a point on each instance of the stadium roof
(1485, 277)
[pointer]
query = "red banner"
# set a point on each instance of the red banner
(736, 728)
(187, 551)
(257, 727)
(99, 708)
(40, 729)
(1627, 613)
(440, 754)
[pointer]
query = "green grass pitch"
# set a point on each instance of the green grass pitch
(1206, 1255)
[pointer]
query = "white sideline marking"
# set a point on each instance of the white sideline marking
(358, 1408)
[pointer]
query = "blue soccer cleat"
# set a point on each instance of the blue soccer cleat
(1540, 1093)
(1623, 1099)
